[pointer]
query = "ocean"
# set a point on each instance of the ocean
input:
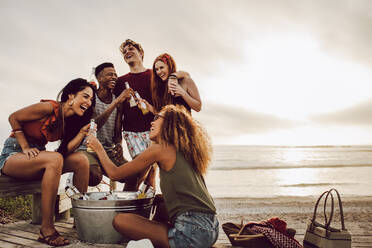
(274, 171)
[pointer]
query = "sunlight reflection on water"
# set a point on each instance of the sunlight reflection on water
(289, 182)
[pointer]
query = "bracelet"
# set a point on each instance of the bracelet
(173, 75)
(17, 130)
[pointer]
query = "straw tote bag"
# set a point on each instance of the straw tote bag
(325, 236)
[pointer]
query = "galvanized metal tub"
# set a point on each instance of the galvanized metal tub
(93, 218)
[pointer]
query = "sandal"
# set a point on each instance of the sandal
(52, 239)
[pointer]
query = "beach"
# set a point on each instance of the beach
(253, 184)
(296, 212)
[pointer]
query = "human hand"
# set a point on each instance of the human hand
(117, 153)
(31, 152)
(148, 105)
(85, 129)
(175, 88)
(125, 94)
(93, 143)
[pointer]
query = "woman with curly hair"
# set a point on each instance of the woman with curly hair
(182, 149)
(169, 86)
(24, 156)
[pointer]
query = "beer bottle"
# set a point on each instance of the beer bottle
(92, 131)
(132, 102)
(142, 106)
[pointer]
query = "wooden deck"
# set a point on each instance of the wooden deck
(295, 211)
(24, 234)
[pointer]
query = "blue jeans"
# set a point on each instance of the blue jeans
(193, 229)
(11, 147)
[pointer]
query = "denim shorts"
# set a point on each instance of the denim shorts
(11, 147)
(193, 229)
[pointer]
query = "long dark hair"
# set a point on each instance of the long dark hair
(159, 89)
(74, 123)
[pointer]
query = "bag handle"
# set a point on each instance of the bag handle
(326, 222)
(316, 206)
(340, 206)
(241, 229)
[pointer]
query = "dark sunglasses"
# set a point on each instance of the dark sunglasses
(158, 116)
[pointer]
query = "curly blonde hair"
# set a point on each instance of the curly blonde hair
(187, 135)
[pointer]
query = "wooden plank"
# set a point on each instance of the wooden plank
(65, 225)
(10, 187)
(20, 241)
(25, 230)
(5, 244)
(36, 209)
(25, 235)
(14, 187)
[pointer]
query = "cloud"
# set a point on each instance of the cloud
(356, 115)
(46, 44)
(221, 120)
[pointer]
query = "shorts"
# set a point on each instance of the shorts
(96, 170)
(194, 229)
(136, 142)
(11, 146)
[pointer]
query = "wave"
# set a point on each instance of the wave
(303, 185)
(287, 167)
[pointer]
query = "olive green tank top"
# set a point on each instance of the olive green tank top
(184, 189)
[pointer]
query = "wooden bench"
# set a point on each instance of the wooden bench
(10, 187)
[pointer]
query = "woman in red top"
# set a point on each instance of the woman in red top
(24, 155)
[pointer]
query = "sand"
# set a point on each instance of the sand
(297, 211)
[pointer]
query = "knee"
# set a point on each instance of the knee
(55, 161)
(95, 175)
(81, 162)
(120, 222)
(116, 222)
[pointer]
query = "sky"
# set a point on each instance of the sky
(288, 72)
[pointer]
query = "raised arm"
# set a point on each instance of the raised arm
(192, 97)
(141, 162)
(33, 112)
(181, 74)
(76, 141)
(118, 125)
(148, 105)
(188, 91)
(102, 118)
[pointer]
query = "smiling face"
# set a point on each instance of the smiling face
(131, 54)
(156, 126)
(162, 70)
(81, 101)
(107, 78)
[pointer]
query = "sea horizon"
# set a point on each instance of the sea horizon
(275, 171)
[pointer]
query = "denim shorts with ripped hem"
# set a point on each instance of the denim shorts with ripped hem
(11, 146)
(193, 229)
